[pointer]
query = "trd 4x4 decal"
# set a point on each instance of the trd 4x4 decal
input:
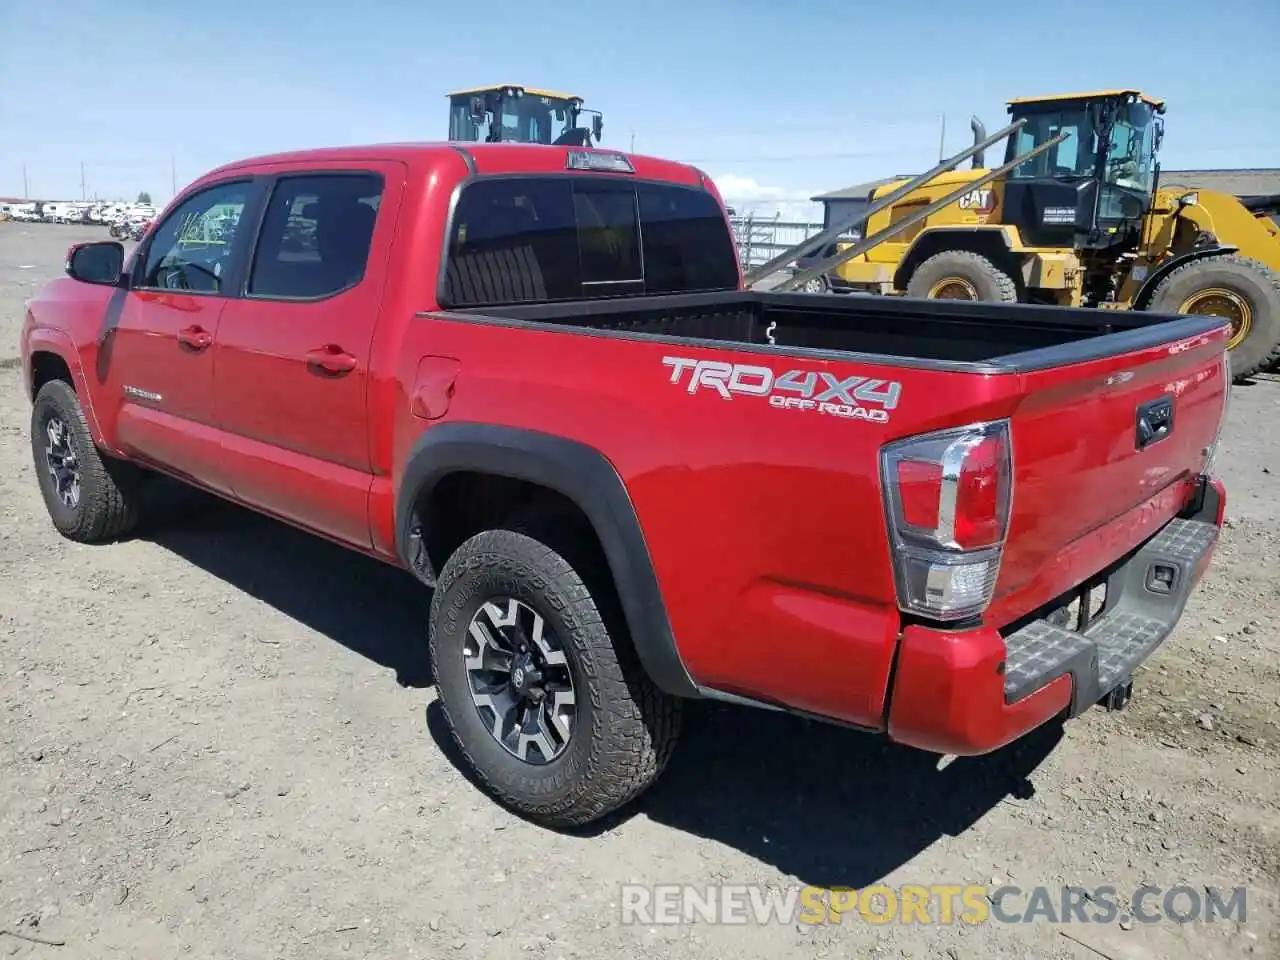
(853, 398)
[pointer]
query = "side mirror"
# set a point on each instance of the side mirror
(99, 262)
(597, 126)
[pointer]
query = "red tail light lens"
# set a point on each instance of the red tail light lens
(947, 500)
(979, 515)
(920, 490)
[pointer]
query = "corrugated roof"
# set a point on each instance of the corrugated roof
(1260, 181)
(860, 191)
(1242, 183)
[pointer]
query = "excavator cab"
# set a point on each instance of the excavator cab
(513, 114)
(1093, 189)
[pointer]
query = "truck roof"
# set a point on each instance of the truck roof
(484, 158)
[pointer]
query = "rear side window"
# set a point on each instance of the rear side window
(316, 235)
(565, 238)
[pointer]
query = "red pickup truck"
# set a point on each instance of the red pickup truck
(530, 376)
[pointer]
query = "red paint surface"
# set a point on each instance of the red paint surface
(948, 695)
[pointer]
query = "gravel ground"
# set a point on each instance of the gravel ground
(218, 740)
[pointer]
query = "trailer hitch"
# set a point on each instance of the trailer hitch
(1119, 696)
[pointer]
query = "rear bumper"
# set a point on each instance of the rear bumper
(973, 691)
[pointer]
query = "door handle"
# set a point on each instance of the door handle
(330, 361)
(195, 338)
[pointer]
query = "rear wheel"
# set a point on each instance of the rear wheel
(1238, 289)
(545, 698)
(962, 275)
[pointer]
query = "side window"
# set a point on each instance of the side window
(192, 248)
(316, 235)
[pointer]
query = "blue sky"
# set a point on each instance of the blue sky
(775, 100)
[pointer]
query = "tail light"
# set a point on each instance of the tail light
(947, 497)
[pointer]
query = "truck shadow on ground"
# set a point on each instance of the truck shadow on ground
(372, 609)
(829, 806)
(824, 804)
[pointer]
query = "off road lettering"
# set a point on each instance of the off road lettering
(852, 398)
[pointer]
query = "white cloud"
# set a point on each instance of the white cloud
(746, 195)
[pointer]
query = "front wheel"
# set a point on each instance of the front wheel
(546, 701)
(90, 496)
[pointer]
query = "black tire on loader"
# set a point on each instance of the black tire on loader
(1237, 288)
(962, 275)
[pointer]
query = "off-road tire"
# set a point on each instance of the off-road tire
(108, 503)
(992, 284)
(1256, 282)
(625, 728)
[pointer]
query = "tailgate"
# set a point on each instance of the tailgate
(1105, 453)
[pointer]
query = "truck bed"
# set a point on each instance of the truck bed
(977, 337)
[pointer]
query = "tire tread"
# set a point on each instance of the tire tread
(1271, 355)
(109, 502)
(984, 266)
(634, 740)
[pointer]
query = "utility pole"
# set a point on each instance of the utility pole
(26, 193)
(173, 175)
(633, 142)
(84, 191)
(942, 139)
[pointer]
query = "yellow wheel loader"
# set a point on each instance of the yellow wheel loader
(1086, 222)
(510, 113)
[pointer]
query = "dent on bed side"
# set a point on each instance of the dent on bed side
(461, 478)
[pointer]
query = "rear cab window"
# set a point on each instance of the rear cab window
(521, 239)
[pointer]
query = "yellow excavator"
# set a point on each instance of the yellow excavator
(510, 113)
(1076, 216)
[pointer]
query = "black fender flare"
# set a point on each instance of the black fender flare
(585, 476)
(1148, 288)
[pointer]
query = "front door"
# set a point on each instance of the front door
(292, 356)
(155, 351)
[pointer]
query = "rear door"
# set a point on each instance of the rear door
(155, 350)
(292, 356)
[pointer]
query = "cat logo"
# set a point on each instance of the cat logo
(982, 200)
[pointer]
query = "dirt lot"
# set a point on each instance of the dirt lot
(218, 740)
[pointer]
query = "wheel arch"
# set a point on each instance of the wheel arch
(51, 355)
(505, 469)
(999, 243)
(1153, 280)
